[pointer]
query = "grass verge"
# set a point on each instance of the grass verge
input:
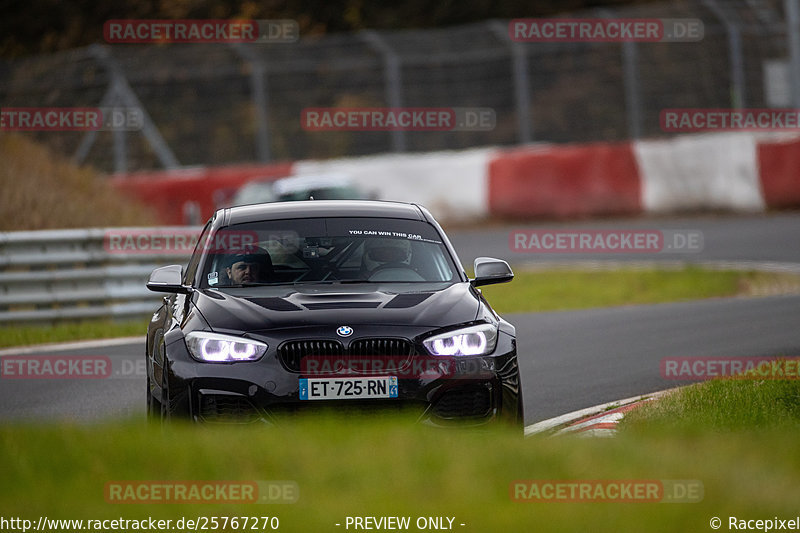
(384, 467)
(566, 290)
(723, 405)
(95, 329)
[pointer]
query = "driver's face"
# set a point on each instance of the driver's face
(245, 272)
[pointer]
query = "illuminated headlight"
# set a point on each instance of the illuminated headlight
(474, 340)
(215, 348)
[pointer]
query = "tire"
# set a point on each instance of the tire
(174, 405)
(166, 401)
(153, 406)
(520, 421)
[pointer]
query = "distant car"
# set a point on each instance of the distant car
(254, 192)
(320, 187)
(340, 304)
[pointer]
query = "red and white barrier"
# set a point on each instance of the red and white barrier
(741, 172)
(564, 181)
(717, 171)
(169, 192)
(779, 172)
(733, 171)
(453, 185)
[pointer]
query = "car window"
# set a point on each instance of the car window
(365, 250)
(191, 267)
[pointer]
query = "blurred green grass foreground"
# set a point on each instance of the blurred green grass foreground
(746, 465)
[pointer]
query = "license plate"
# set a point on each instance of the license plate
(348, 388)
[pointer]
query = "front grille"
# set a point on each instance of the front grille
(469, 403)
(225, 408)
(381, 347)
(292, 353)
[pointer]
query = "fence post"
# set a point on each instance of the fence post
(630, 75)
(738, 96)
(120, 149)
(521, 86)
(119, 137)
(633, 98)
(120, 91)
(393, 81)
(258, 88)
(793, 37)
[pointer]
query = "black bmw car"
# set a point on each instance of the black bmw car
(355, 306)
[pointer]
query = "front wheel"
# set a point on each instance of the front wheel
(165, 411)
(153, 405)
(174, 403)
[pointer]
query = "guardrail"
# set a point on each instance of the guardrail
(73, 274)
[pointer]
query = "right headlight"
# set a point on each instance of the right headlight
(215, 348)
(474, 340)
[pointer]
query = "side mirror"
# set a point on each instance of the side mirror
(168, 279)
(489, 270)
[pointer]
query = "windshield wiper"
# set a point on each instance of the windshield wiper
(329, 282)
(252, 284)
(276, 283)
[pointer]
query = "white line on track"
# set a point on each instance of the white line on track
(63, 346)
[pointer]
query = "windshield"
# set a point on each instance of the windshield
(326, 250)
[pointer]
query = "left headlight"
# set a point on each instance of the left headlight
(216, 348)
(474, 340)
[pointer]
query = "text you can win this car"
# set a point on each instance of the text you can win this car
(354, 306)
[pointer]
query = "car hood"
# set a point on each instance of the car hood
(260, 308)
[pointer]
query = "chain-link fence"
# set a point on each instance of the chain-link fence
(211, 104)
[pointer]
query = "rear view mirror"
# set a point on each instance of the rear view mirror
(489, 270)
(168, 279)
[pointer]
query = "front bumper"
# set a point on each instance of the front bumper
(472, 391)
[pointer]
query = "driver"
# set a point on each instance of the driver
(385, 252)
(249, 265)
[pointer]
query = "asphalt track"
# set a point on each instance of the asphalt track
(569, 360)
(757, 238)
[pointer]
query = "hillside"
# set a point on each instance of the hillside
(41, 190)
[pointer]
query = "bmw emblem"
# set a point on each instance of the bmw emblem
(344, 331)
